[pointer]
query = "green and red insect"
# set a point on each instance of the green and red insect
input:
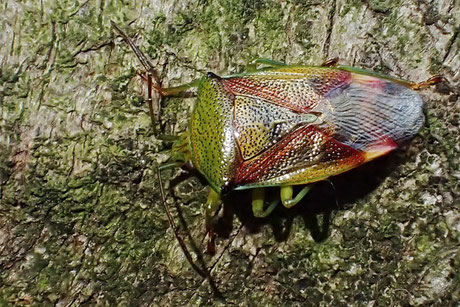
(287, 125)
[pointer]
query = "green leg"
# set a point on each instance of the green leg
(413, 85)
(171, 91)
(252, 67)
(258, 200)
(377, 75)
(168, 137)
(211, 207)
(270, 63)
(170, 165)
(287, 192)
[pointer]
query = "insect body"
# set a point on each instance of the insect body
(291, 125)
(295, 125)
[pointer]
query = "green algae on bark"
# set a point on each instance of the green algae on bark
(79, 214)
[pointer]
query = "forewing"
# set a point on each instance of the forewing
(304, 155)
(300, 89)
(358, 118)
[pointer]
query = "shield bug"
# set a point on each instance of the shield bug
(286, 125)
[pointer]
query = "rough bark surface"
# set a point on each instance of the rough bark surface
(80, 215)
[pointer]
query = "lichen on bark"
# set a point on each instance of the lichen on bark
(80, 213)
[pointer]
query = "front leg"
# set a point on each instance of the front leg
(211, 207)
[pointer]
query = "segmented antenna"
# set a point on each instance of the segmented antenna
(145, 61)
(153, 79)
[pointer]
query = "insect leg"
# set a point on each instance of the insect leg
(153, 77)
(145, 61)
(171, 91)
(252, 67)
(287, 193)
(212, 205)
(270, 63)
(365, 72)
(413, 85)
(258, 200)
(330, 62)
(431, 81)
(202, 272)
(151, 72)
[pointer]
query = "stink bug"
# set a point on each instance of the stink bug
(286, 125)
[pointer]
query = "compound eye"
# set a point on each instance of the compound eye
(212, 75)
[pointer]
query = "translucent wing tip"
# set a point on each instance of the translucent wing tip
(375, 115)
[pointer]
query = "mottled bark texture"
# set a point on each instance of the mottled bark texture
(80, 217)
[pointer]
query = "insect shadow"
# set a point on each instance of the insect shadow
(317, 209)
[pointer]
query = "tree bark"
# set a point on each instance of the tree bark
(81, 220)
